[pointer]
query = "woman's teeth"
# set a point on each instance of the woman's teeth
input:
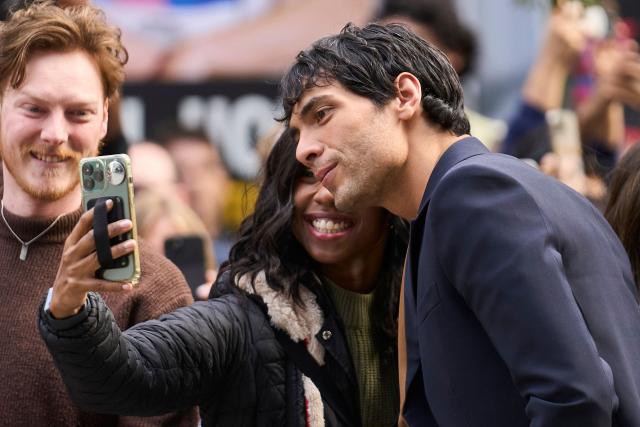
(327, 226)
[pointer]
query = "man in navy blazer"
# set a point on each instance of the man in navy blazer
(520, 304)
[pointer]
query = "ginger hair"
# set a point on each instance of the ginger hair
(44, 26)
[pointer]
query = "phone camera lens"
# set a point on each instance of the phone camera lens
(117, 168)
(87, 169)
(115, 173)
(88, 183)
(98, 175)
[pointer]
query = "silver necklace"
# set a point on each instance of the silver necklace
(25, 245)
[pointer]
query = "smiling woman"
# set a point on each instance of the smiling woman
(301, 325)
(347, 247)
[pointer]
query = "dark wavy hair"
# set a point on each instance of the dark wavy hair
(367, 61)
(266, 242)
(623, 206)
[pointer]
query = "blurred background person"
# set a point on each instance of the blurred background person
(197, 40)
(305, 283)
(437, 22)
(206, 181)
(623, 206)
(544, 90)
(612, 88)
(164, 220)
(577, 138)
(153, 169)
(164, 215)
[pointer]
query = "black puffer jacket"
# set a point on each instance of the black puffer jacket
(221, 354)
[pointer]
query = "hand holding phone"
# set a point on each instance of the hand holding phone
(76, 272)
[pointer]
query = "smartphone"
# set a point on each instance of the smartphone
(187, 252)
(109, 177)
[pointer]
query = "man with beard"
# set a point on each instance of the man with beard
(520, 305)
(59, 69)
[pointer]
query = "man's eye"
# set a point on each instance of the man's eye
(321, 114)
(79, 113)
(34, 109)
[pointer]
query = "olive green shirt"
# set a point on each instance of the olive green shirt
(377, 378)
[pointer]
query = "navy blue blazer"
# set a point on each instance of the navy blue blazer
(519, 300)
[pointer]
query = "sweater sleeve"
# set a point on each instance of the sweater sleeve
(527, 134)
(153, 368)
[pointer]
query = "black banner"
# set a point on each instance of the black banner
(234, 114)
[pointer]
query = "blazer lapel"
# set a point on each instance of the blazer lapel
(458, 152)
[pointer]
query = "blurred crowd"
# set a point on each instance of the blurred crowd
(577, 119)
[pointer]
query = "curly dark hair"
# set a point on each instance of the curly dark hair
(366, 61)
(266, 242)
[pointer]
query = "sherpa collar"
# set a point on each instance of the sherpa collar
(300, 323)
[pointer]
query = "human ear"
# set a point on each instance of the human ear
(409, 95)
(105, 119)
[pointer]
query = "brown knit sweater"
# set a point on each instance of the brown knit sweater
(31, 391)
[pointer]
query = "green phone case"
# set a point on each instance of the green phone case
(99, 178)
